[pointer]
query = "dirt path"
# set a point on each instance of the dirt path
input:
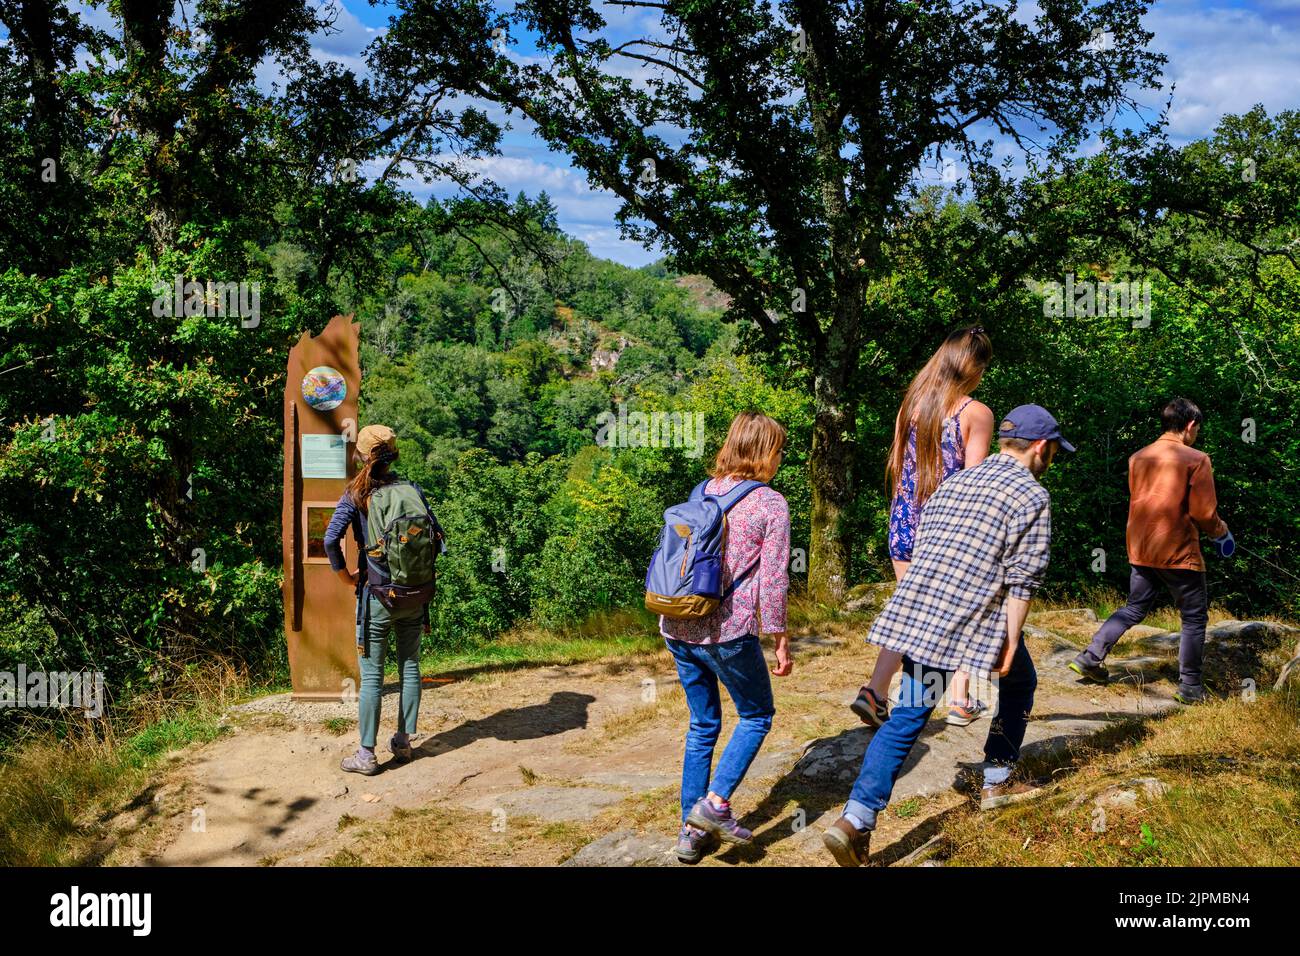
(534, 764)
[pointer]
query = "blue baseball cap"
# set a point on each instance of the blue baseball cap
(1032, 422)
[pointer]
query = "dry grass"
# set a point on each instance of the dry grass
(668, 706)
(805, 615)
(1232, 769)
(601, 626)
(630, 634)
(64, 785)
(448, 835)
(452, 836)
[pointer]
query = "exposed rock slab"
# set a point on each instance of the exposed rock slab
(551, 803)
(625, 848)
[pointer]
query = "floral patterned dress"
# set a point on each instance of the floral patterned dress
(905, 514)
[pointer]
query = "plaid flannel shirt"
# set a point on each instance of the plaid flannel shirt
(984, 536)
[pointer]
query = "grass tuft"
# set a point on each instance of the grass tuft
(1212, 785)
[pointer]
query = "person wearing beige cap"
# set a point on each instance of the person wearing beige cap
(394, 527)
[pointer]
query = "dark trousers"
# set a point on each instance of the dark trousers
(922, 689)
(1188, 591)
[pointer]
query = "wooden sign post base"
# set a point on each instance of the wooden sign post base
(320, 430)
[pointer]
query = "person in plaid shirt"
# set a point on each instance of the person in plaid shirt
(980, 554)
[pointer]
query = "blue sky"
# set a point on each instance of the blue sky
(1224, 57)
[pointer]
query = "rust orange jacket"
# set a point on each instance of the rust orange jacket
(1172, 500)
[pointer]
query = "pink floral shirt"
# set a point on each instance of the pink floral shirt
(758, 528)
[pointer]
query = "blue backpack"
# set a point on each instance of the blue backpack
(685, 576)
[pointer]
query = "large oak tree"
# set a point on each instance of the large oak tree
(775, 148)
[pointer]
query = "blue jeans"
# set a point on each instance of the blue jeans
(742, 669)
(922, 689)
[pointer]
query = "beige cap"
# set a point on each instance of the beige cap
(375, 436)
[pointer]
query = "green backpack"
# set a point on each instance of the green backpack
(403, 542)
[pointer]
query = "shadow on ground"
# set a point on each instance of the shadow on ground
(563, 712)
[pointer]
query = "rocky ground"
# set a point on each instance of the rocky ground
(579, 764)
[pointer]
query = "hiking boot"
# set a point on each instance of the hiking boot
(959, 715)
(401, 751)
(363, 762)
(1095, 673)
(705, 816)
(849, 845)
(1190, 695)
(692, 844)
(1008, 792)
(871, 710)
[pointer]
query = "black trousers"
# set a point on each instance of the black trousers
(1188, 591)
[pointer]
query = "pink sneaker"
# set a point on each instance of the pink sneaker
(705, 816)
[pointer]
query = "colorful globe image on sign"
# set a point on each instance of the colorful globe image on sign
(324, 388)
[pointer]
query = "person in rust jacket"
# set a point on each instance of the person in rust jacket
(1172, 501)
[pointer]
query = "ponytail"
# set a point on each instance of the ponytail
(373, 474)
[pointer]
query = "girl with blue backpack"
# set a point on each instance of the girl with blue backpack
(399, 539)
(719, 580)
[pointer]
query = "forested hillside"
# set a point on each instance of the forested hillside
(497, 399)
(498, 413)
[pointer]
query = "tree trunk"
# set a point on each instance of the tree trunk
(830, 464)
(835, 352)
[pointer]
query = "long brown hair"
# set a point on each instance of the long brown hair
(954, 370)
(753, 442)
(373, 473)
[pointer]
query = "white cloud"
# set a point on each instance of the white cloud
(347, 36)
(1225, 59)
